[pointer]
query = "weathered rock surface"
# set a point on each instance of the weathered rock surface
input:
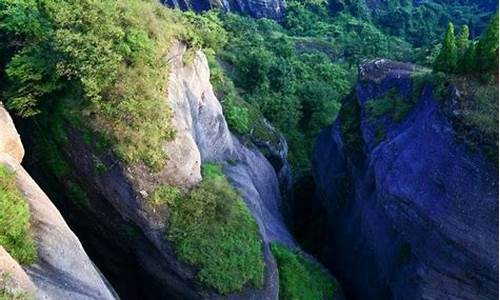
(10, 142)
(415, 215)
(198, 114)
(272, 9)
(63, 269)
(13, 279)
(119, 215)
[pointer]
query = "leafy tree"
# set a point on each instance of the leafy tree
(487, 48)
(446, 60)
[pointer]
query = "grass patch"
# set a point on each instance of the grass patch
(392, 104)
(7, 295)
(242, 117)
(301, 278)
(15, 234)
(211, 228)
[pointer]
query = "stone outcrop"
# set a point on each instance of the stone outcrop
(122, 223)
(10, 142)
(271, 9)
(63, 270)
(412, 213)
(199, 119)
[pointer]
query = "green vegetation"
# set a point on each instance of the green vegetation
(487, 48)
(392, 103)
(421, 23)
(300, 277)
(107, 56)
(350, 120)
(459, 55)
(477, 121)
(293, 73)
(6, 293)
(212, 229)
(15, 234)
(447, 58)
(475, 75)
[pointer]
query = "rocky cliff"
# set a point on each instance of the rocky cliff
(62, 270)
(202, 130)
(411, 213)
(126, 234)
(271, 9)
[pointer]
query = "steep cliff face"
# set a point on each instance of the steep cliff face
(411, 212)
(62, 270)
(127, 234)
(199, 121)
(272, 9)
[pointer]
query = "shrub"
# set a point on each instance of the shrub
(392, 104)
(106, 59)
(350, 120)
(301, 278)
(237, 115)
(212, 229)
(15, 234)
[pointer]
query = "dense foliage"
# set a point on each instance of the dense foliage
(461, 55)
(212, 229)
(472, 68)
(421, 23)
(15, 235)
(301, 278)
(106, 56)
(392, 104)
(295, 73)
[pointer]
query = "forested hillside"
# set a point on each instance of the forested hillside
(183, 137)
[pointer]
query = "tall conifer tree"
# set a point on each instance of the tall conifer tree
(463, 39)
(467, 61)
(487, 48)
(446, 60)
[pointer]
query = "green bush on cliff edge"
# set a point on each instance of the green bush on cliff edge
(212, 229)
(15, 236)
(300, 278)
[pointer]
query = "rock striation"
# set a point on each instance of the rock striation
(271, 9)
(127, 231)
(411, 213)
(63, 270)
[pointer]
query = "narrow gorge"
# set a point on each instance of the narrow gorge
(248, 150)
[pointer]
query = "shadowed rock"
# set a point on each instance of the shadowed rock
(414, 215)
(63, 269)
(271, 9)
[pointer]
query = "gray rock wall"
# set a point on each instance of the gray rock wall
(118, 196)
(415, 215)
(63, 269)
(271, 9)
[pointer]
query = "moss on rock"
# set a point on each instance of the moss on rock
(15, 234)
